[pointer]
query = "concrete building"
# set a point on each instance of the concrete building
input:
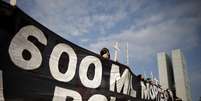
(173, 74)
(1, 87)
(165, 71)
(182, 83)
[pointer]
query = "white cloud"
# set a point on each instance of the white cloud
(68, 18)
(157, 33)
(75, 18)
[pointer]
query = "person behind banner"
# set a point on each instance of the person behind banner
(141, 77)
(105, 53)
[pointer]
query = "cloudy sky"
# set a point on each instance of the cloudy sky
(149, 27)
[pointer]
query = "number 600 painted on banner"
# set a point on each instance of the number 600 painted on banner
(20, 43)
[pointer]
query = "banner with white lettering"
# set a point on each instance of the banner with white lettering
(39, 65)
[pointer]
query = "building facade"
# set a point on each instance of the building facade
(165, 71)
(173, 74)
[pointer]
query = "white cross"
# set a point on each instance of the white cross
(127, 57)
(116, 47)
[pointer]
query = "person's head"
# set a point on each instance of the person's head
(141, 77)
(105, 53)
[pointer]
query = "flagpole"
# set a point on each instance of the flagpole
(152, 77)
(145, 75)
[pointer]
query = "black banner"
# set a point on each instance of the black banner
(39, 65)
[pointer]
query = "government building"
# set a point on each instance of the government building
(173, 74)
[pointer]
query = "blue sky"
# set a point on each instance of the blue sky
(149, 27)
